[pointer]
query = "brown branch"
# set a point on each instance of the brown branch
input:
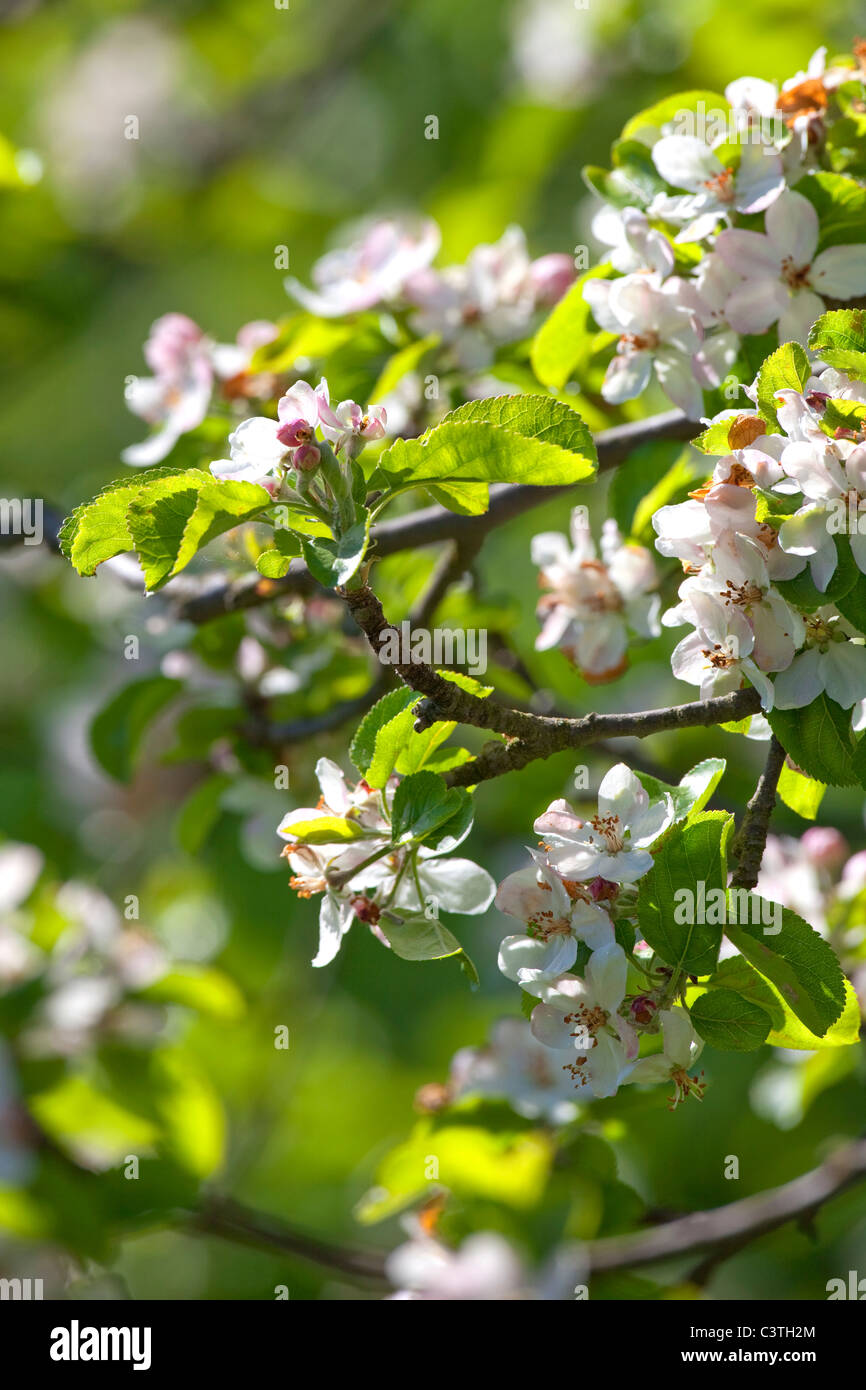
(751, 838)
(723, 1229)
(229, 1220)
(432, 524)
(736, 1223)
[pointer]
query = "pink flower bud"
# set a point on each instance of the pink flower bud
(307, 458)
(293, 433)
(826, 847)
(551, 276)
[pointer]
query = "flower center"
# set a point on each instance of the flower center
(721, 185)
(611, 830)
(796, 276)
(718, 656)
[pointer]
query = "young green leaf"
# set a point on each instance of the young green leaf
(690, 860)
(729, 1022)
(800, 963)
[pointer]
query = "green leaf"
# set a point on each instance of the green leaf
(422, 803)
(403, 362)
(117, 731)
(509, 439)
(819, 740)
(274, 563)
(694, 789)
(845, 1032)
(466, 499)
(200, 812)
(97, 530)
(647, 124)
(840, 338)
(716, 438)
(333, 562)
(802, 966)
(787, 368)
(840, 203)
(164, 515)
(634, 180)
(564, 340)
(325, 830)
(853, 604)
(363, 745)
(803, 794)
(735, 973)
(842, 415)
(420, 938)
(653, 475)
(691, 854)
(729, 1022)
(506, 1166)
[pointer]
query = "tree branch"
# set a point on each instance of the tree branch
(736, 1223)
(751, 838)
(728, 1228)
(432, 524)
(229, 1220)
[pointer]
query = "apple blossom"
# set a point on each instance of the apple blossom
(657, 333)
(714, 189)
(613, 844)
(783, 278)
(176, 398)
(581, 1015)
(372, 270)
(681, 1049)
(592, 605)
(514, 1066)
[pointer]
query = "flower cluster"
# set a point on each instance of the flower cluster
(777, 503)
(486, 1268)
(591, 606)
(344, 848)
(472, 309)
(187, 365)
(579, 905)
(262, 450)
(731, 279)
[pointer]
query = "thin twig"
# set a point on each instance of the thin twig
(751, 839)
(223, 1217)
(737, 1222)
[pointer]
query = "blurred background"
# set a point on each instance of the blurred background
(261, 126)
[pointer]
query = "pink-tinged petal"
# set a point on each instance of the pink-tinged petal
(627, 376)
(675, 376)
(760, 178)
(685, 161)
(802, 311)
(840, 272)
(801, 683)
(750, 254)
(601, 646)
(793, 228)
(597, 295)
(805, 533)
(756, 305)
(151, 450)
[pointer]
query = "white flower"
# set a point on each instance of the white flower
(783, 278)
(657, 333)
(558, 914)
(829, 663)
(591, 604)
(612, 845)
(682, 1048)
(715, 190)
(177, 397)
(828, 472)
(484, 1268)
(476, 307)
(261, 448)
(635, 244)
(372, 270)
(517, 1068)
(717, 656)
(580, 1016)
(369, 874)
